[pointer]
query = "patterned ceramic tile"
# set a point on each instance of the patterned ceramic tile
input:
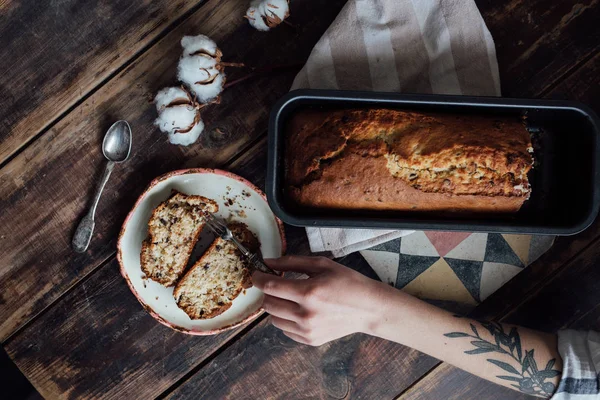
(499, 251)
(469, 273)
(494, 275)
(446, 241)
(439, 282)
(454, 268)
(472, 248)
(520, 245)
(384, 263)
(417, 244)
(409, 267)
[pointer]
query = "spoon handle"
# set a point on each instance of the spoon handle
(85, 229)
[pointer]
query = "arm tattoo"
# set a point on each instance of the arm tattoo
(527, 377)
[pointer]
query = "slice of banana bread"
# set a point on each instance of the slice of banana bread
(210, 286)
(173, 231)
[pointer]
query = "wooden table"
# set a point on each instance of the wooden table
(69, 68)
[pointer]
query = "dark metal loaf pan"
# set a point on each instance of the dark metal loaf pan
(565, 180)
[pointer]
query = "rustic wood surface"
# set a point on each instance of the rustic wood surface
(55, 53)
(69, 321)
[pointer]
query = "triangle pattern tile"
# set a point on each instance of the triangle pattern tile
(499, 251)
(494, 275)
(384, 263)
(439, 282)
(472, 248)
(417, 244)
(409, 267)
(539, 245)
(520, 245)
(446, 241)
(391, 246)
(469, 272)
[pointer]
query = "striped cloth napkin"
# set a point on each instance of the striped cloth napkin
(412, 46)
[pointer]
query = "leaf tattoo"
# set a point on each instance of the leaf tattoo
(529, 379)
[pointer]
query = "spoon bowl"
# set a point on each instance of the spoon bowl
(116, 145)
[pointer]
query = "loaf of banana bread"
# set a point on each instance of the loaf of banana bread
(380, 159)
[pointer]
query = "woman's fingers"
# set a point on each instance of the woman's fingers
(282, 308)
(289, 289)
(287, 325)
(307, 265)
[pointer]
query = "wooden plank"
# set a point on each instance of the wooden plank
(100, 342)
(538, 41)
(267, 364)
(55, 52)
(44, 191)
(448, 382)
(570, 299)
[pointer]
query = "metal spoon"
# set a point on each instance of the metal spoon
(116, 147)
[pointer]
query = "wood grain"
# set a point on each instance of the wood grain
(266, 364)
(100, 342)
(448, 382)
(51, 181)
(52, 53)
(539, 41)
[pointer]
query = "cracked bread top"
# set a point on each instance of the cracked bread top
(424, 153)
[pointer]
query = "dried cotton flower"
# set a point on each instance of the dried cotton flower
(178, 115)
(267, 14)
(201, 69)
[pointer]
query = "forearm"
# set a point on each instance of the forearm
(515, 357)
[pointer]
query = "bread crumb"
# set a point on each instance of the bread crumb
(241, 213)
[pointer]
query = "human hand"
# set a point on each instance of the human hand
(334, 301)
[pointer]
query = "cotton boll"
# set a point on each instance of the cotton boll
(185, 139)
(200, 43)
(176, 118)
(266, 14)
(178, 115)
(202, 75)
(208, 92)
(171, 95)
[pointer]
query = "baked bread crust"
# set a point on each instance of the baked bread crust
(173, 230)
(401, 160)
(217, 278)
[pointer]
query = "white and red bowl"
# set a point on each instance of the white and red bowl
(238, 200)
